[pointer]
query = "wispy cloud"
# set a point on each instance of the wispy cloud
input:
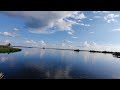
(97, 17)
(35, 43)
(106, 11)
(16, 29)
(68, 41)
(92, 32)
(101, 12)
(70, 33)
(63, 44)
(116, 30)
(90, 19)
(43, 42)
(82, 24)
(6, 41)
(75, 37)
(9, 34)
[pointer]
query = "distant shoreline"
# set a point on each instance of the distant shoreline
(116, 54)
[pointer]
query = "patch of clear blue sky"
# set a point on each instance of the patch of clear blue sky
(102, 30)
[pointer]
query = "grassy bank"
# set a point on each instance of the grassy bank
(5, 49)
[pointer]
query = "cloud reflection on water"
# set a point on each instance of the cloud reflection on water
(5, 58)
(61, 64)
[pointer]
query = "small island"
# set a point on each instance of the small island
(8, 49)
(77, 50)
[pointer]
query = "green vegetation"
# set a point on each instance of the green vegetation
(7, 49)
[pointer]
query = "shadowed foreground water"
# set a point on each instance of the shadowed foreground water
(34, 63)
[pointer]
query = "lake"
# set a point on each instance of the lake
(35, 63)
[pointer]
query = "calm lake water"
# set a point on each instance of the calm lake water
(34, 63)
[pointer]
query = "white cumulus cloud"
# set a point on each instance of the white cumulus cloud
(111, 18)
(86, 44)
(47, 21)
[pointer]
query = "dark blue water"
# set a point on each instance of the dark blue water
(34, 63)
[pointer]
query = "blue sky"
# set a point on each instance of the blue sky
(65, 29)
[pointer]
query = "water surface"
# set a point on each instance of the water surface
(34, 63)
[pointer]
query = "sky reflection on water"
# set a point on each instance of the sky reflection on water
(34, 63)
